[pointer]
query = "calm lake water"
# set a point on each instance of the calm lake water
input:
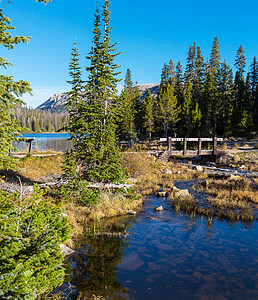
(46, 141)
(164, 255)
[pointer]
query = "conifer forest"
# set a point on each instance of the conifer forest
(206, 98)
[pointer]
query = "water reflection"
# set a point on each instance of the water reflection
(94, 266)
(165, 255)
(46, 141)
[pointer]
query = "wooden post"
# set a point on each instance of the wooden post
(185, 146)
(199, 146)
(214, 151)
(30, 142)
(169, 145)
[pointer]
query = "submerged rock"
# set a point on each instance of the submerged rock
(159, 208)
(131, 212)
(162, 194)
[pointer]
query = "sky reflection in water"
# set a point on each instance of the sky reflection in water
(171, 256)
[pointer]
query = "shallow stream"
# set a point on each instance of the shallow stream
(165, 255)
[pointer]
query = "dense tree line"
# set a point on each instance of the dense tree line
(35, 120)
(205, 99)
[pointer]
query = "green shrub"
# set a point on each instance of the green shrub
(79, 192)
(31, 231)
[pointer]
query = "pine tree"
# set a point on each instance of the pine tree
(168, 110)
(98, 156)
(165, 74)
(254, 92)
(179, 85)
(239, 105)
(148, 116)
(126, 109)
(226, 98)
(74, 106)
(171, 73)
(214, 62)
(139, 113)
(10, 91)
(186, 126)
(190, 66)
(209, 102)
(199, 76)
(210, 95)
(31, 231)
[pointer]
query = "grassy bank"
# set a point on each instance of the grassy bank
(231, 199)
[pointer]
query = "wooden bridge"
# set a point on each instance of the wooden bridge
(185, 141)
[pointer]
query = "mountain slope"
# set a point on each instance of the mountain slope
(57, 102)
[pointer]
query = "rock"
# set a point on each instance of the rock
(162, 194)
(66, 250)
(131, 212)
(198, 168)
(167, 171)
(175, 189)
(242, 167)
(159, 208)
(235, 177)
(64, 215)
(182, 194)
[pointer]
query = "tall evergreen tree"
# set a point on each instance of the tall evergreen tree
(254, 91)
(225, 99)
(10, 93)
(98, 156)
(168, 110)
(239, 105)
(126, 109)
(171, 73)
(198, 76)
(179, 85)
(148, 114)
(138, 113)
(214, 62)
(190, 66)
(74, 107)
(209, 102)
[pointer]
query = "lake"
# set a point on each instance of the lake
(164, 255)
(46, 141)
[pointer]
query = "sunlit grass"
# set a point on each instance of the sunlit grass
(35, 167)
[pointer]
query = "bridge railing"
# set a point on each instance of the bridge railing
(200, 151)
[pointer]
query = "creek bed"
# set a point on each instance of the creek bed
(165, 255)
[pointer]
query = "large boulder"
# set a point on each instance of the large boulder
(181, 194)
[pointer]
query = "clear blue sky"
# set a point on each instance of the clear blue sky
(148, 33)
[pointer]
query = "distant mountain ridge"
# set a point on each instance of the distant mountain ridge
(57, 102)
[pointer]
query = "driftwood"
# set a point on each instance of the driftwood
(224, 173)
(12, 188)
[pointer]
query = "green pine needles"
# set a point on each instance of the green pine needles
(10, 91)
(31, 231)
(93, 110)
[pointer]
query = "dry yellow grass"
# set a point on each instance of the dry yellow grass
(110, 205)
(238, 191)
(152, 174)
(35, 167)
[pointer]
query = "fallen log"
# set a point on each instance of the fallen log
(12, 188)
